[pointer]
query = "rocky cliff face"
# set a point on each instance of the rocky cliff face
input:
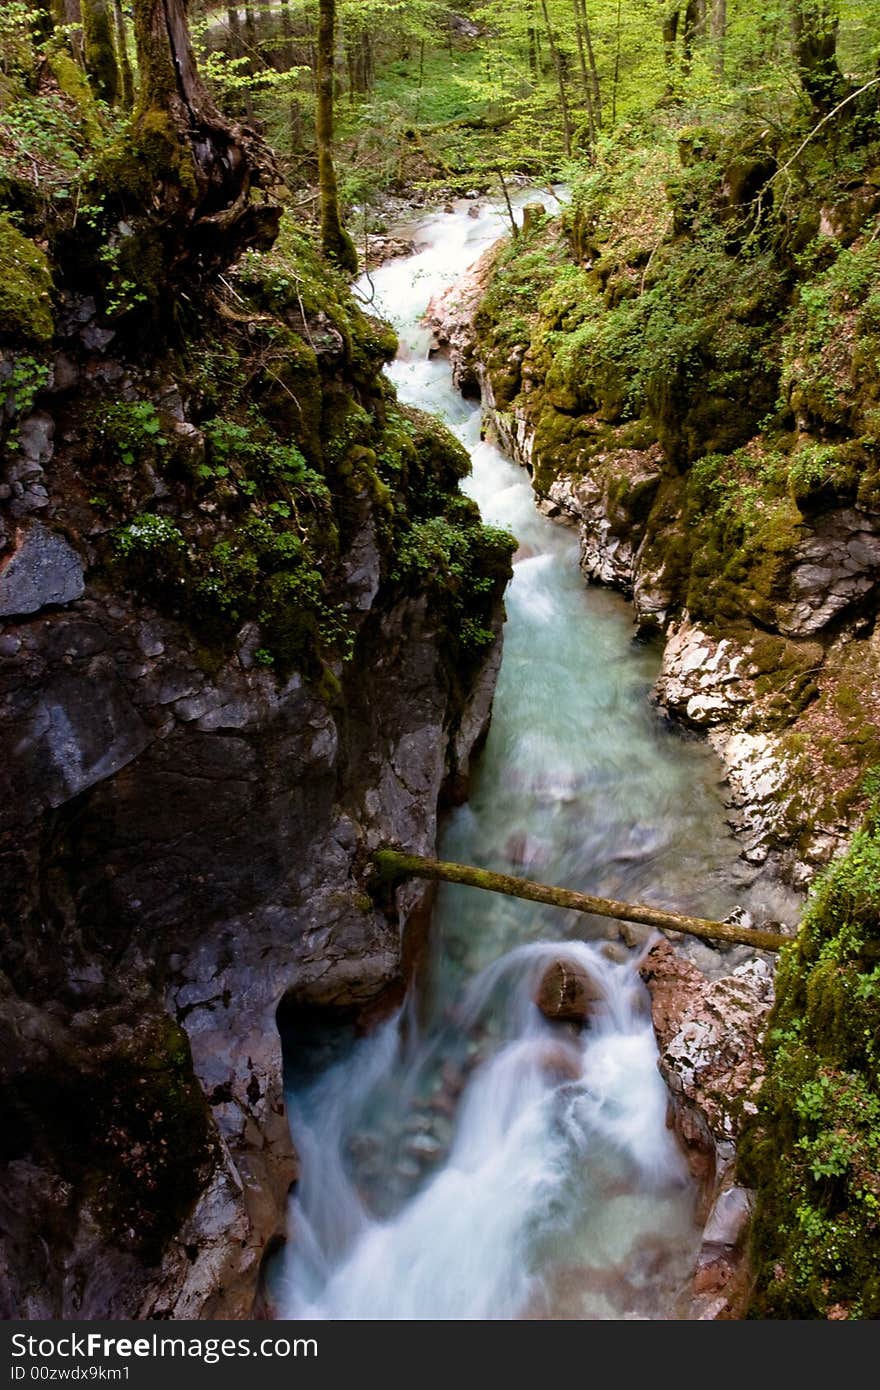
(189, 803)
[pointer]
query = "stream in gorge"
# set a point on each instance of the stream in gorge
(469, 1158)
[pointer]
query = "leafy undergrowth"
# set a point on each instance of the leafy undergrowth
(813, 1151)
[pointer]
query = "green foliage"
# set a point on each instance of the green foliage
(813, 1151)
(20, 385)
(18, 21)
(150, 537)
(461, 566)
(131, 430)
(830, 374)
(256, 459)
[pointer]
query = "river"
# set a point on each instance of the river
(470, 1159)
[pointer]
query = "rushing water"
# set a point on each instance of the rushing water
(471, 1159)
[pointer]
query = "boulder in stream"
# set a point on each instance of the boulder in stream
(566, 992)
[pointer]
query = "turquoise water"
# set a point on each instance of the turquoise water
(471, 1159)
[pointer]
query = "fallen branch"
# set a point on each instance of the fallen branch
(391, 864)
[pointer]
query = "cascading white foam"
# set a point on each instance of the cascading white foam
(470, 1241)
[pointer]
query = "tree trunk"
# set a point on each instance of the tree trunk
(212, 165)
(391, 865)
(350, 63)
(252, 46)
(43, 20)
(585, 77)
(99, 51)
(295, 120)
(718, 31)
(814, 25)
(591, 59)
(287, 36)
(533, 53)
(694, 24)
(335, 241)
(560, 79)
(69, 12)
(236, 49)
(125, 73)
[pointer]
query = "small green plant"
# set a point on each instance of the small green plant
(461, 566)
(813, 1151)
(149, 534)
(27, 377)
(131, 429)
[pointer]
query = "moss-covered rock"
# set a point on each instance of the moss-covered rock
(25, 288)
(813, 1152)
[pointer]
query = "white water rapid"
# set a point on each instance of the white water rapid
(470, 1159)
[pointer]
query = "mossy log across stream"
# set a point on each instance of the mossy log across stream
(391, 864)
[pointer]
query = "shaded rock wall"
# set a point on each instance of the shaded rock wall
(184, 833)
(192, 843)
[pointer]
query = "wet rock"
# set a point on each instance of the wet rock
(424, 1148)
(709, 1037)
(708, 1034)
(614, 951)
(833, 570)
(362, 566)
(35, 436)
(451, 316)
(42, 570)
(566, 992)
(709, 684)
(408, 1171)
(611, 524)
(197, 817)
(560, 1061)
(452, 1078)
(729, 1218)
(386, 248)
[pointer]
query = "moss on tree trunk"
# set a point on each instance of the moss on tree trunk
(335, 241)
(390, 864)
(99, 51)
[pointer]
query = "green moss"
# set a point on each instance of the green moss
(99, 52)
(813, 1152)
(154, 1140)
(72, 82)
(123, 1119)
(25, 288)
(463, 567)
(149, 151)
(830, 373)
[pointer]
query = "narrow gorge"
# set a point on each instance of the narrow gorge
(454, 434)
(469, 1120)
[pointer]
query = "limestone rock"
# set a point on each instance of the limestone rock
(708, 1035)
(451, 316)
(833, 571)
(195, 819)
(709, 1040)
